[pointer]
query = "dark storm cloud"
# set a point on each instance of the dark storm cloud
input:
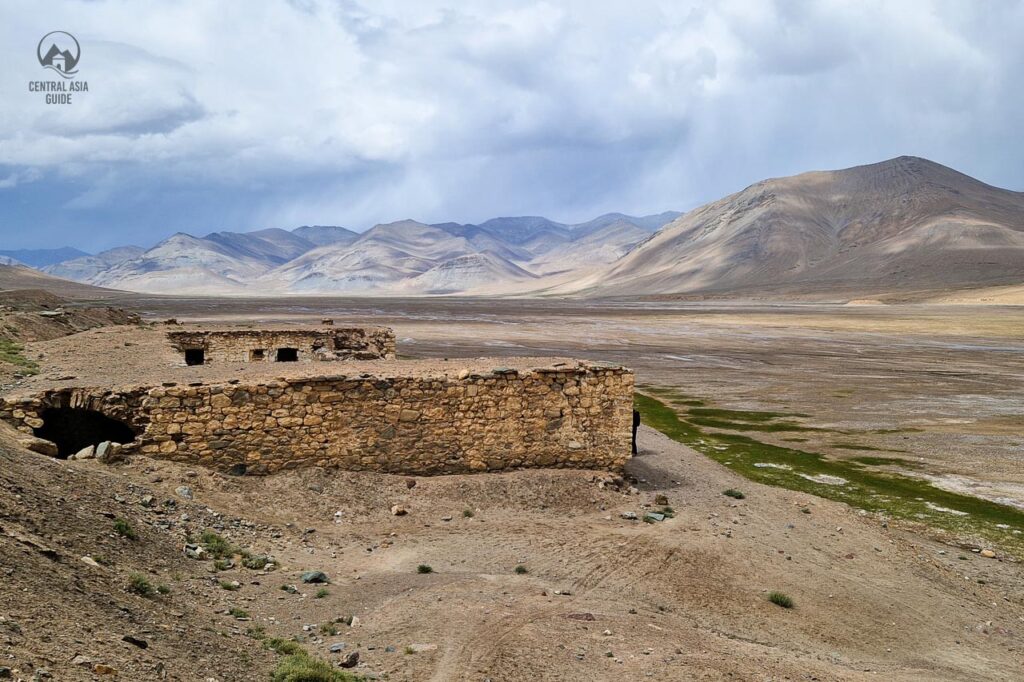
(205, 116)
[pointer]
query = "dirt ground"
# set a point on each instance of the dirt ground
(602, 597)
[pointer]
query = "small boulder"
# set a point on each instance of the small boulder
(184, 492)
(39, 445)
(315, 577)
(351, 660)
(628, 515)
(195, 552)
(113, 452)
(88, 452)
(399, 510)
(660, 500)
(654, 516)
(337, 647)
(987, 553)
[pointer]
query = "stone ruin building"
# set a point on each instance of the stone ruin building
(262, 400)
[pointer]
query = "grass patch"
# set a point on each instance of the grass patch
(237, 613)
(424, 568)
(124, 529)
(140, 585)
(328, 629)
(11, 353)
(734, 494)
(229, 586)
(322, 592)
(285, 647)
(305, 668)
(900, 497)
(781, 599)
(216, 545)
(255, 562)
(467, 513)
(521, 570)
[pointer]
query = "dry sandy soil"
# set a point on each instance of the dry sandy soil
(604, 598)
(677, 600)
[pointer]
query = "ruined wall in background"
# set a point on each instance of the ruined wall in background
(549, 417)
(253, 345)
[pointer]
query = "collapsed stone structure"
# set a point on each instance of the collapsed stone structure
(283, 345)
(246, 415)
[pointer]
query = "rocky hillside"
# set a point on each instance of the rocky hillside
(900, 225)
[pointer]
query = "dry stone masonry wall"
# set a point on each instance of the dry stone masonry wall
(306, 345)
(570, 416)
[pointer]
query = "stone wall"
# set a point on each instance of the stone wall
(253, 345)
(549, 417)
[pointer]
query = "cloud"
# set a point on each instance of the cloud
(231, 115)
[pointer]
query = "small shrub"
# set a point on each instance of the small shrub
(217, 546)
(124, 529)
(329, 629)
(733, 493)
(256, 632)
(669, 512)
(101, 560)
(238, 613)
(521, 570)
(781, 599)
(409, 651)
(163, 589)
(229, 586)
(138, 584)
(255, 562)
(285, 647)
(424, 568)
(467, 513)
(221, 564)
(305, 668)
(322, 592)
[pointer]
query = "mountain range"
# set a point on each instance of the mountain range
(404, 257)
(902, 225)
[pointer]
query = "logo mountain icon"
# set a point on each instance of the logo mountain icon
(63, 54)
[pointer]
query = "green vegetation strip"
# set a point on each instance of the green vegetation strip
(11, 353)
(900, 497)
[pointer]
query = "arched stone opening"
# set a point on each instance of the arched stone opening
(74, 428)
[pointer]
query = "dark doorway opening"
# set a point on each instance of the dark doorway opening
(195, 356)
(287, 354)
(257, 355)
(74, 428)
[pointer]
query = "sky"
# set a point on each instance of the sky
(203, 115)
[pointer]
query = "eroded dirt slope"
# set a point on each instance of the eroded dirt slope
(602, 598)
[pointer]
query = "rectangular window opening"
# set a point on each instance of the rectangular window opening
(195, 356)
(287, 354)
